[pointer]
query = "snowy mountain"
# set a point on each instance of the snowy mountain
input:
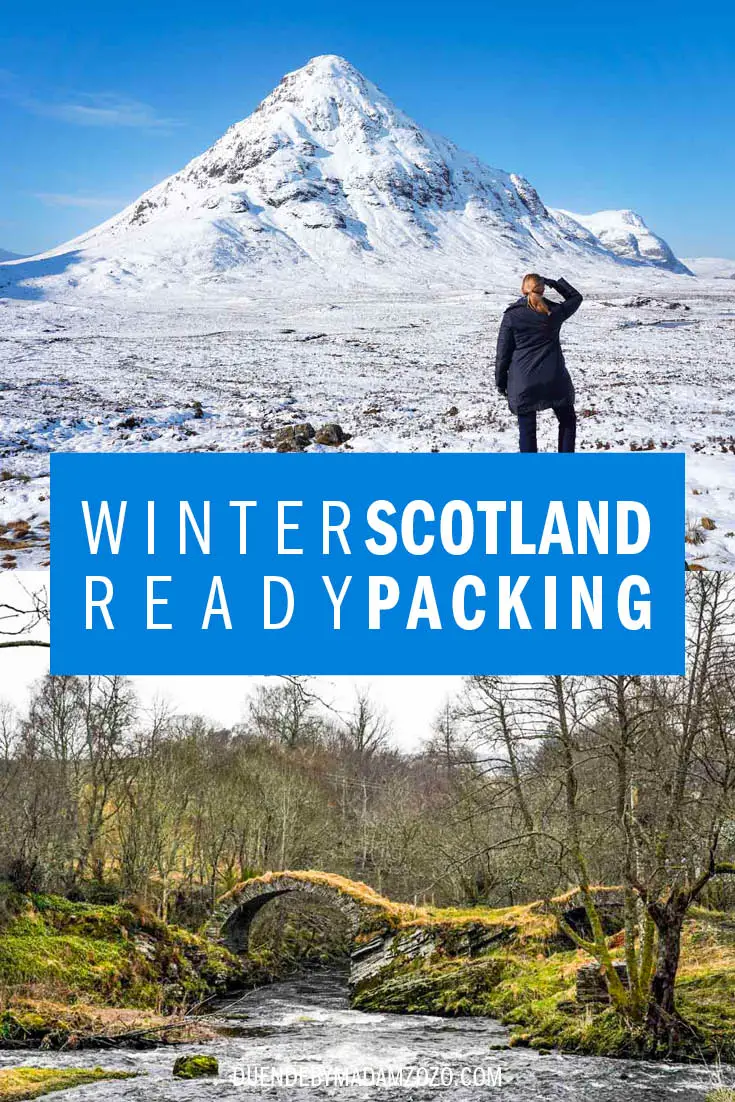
(328, 180)
(5, 255)
(625, 233)
(711, 267)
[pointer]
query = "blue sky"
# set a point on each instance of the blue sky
(598, 104)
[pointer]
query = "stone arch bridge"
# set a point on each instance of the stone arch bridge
(381, 929)
(363, 907)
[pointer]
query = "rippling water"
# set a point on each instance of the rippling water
(304, 1030)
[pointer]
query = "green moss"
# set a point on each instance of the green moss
(112, 955)
(23, 1083)
(74, 971)
(195, 1067)
(722, 1094)
(530, 986)
(83, 964)
(535, 997)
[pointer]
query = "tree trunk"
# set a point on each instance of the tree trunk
(663, 1022)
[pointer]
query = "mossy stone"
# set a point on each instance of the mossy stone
(195, 1067)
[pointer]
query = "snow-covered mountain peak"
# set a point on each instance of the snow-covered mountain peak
(330, 94)
(328, 174)
(324, 78)
(328, 170)
(326, 109)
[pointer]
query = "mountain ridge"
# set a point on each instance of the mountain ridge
(625, 233)
(711, 267)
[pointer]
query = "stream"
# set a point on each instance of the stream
(303, 1029)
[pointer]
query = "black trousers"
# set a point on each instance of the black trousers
(567, 419)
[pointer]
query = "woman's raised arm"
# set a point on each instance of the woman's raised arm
(572, 297)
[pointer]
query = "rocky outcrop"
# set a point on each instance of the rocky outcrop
(369, 960)
(295, 438)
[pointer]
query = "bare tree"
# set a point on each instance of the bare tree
(623, 779)
(365, 729)
(285, 713)
(22, 615)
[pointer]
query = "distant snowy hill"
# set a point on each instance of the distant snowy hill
(710, 267)
(329, 181)
(5, 255)
(625, 233)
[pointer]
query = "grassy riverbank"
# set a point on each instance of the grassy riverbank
(526, 977)
(75, 974)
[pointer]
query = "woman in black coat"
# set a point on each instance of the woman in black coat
(529, 366)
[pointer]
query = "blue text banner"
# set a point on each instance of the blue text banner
(367, 564)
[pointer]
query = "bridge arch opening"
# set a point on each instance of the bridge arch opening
(239, 910)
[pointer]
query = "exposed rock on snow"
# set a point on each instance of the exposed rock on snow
(328, 180)
(294, 438)
(626, 235)
(331, 435)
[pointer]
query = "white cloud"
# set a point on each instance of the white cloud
(95, 109)
(88, 202)
(104, 109)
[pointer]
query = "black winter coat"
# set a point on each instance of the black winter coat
(529, 366)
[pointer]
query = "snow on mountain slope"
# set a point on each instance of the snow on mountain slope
(5, 255)
(327, 181)
(710, 267)
(625, 233)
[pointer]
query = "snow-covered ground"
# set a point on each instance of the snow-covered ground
(654, 369)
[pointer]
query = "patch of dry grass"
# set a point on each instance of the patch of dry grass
(34, 1019)
(355, 889)
(529, 921)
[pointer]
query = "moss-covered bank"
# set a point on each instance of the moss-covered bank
(18, 1084)
(77, 974)
(526, 978)
(120, 955)
(71, 972)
